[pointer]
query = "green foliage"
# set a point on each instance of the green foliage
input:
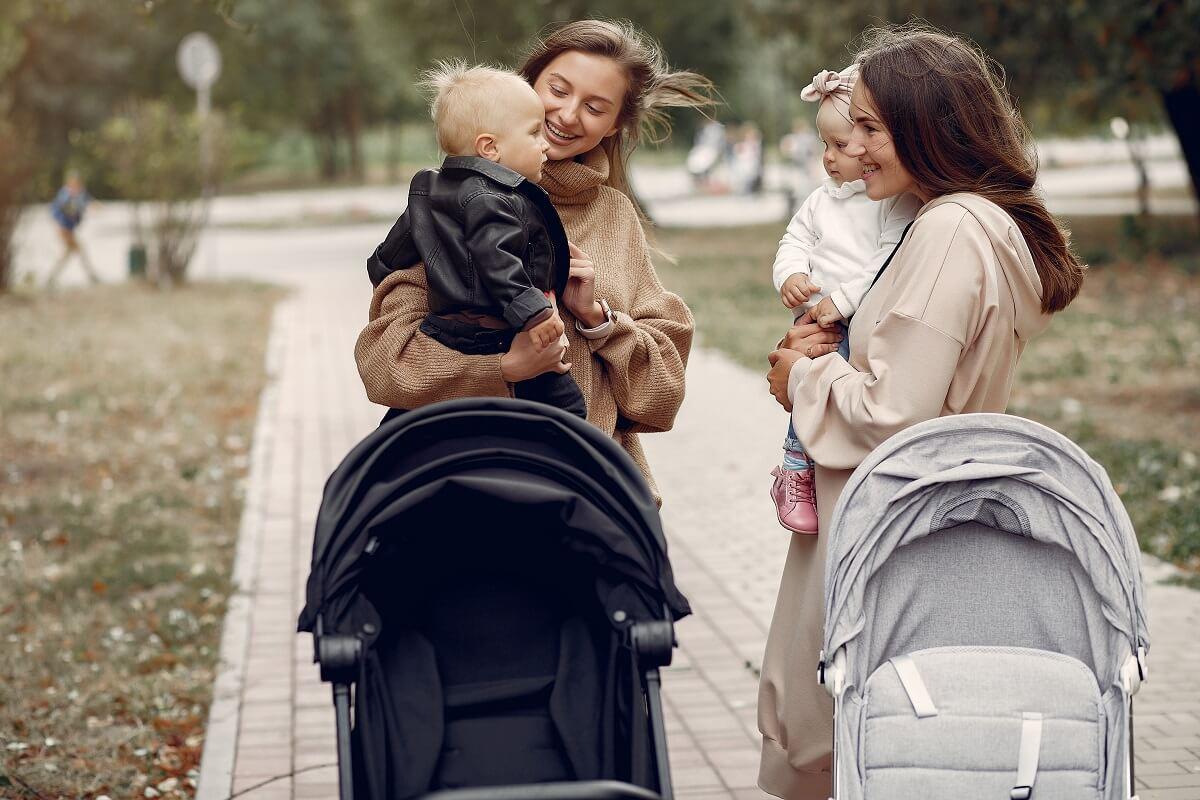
(500, 31)
(153, 155)
(1071, 64)
(1078, 61)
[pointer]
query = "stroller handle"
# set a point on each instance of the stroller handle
(580, 790)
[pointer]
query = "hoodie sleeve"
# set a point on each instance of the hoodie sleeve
(897, 213)
(935, 298)
(797, 243)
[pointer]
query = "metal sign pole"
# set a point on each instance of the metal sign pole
(199, 63)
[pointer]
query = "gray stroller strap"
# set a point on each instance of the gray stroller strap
(1027, 761)
(914, 687)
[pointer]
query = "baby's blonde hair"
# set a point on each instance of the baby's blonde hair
(467, 101)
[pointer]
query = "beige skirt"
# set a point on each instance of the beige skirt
(795, 714)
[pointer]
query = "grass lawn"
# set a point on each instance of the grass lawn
(1118, 371)
(126, 417)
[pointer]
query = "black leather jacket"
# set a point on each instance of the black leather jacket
(491, 241)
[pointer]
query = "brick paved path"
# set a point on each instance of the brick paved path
(271, 716)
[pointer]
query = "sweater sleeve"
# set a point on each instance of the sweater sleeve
(797, 243)
(646, 353)
(912, 354)
(401, 367)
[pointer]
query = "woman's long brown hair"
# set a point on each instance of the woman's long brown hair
(653, 86)
(956, 129)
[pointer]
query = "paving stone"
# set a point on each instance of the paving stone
(1170, 781)
(1145, 768)
(1187, 793)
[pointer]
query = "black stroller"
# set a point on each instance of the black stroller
(491, 577)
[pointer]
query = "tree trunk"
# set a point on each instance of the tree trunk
(10, 215)
(354, 126)
(1183, 109)
(324, 131)
(392, 157)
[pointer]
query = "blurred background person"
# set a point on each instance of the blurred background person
(709, 152)
(746, 164)
(68, 208)
(799, 148)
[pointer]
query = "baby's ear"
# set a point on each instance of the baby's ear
(485, 147)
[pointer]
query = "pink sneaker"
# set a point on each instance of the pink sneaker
(795, 500)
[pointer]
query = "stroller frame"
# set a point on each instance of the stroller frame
(339, 656)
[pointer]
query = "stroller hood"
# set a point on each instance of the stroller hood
(484, 458)
(1009, 474)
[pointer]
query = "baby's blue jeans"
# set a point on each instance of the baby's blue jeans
(794, 454)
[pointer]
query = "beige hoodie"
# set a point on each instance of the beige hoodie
(940, 333)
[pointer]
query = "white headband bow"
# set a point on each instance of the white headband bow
(830, 83)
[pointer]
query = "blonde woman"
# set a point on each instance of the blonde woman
(603, 84)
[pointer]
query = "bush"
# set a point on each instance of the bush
(153, 156)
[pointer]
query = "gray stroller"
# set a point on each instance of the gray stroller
(985, 627)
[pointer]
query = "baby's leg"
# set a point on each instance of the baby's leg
(792, 490)
(794, 454)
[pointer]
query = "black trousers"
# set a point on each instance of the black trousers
(552, 388)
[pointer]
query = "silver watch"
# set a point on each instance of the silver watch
(601, 330)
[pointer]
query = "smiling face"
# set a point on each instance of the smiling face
(833, 125)
(521, 143)
(871, 143)
(582, 95)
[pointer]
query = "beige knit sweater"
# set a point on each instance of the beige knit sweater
(632, 380)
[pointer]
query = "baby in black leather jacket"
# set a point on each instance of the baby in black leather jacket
(494, 248)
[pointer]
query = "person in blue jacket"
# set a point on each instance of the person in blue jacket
(68, 208)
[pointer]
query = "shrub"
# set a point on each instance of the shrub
(153, 157)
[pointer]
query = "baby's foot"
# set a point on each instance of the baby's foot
(795, 499)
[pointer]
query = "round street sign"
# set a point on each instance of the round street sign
(199, 60)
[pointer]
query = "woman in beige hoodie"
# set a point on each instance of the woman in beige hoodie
(976, 275)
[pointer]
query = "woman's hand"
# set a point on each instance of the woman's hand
(805, 338)
(525, 360)
(781, 369)
(580, 295)
(809, 339)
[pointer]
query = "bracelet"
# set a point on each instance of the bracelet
(603, 329)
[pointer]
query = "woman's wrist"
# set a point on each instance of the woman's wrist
(594, 317)
(506, 368)
(600, 331)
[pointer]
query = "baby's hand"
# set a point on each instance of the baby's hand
(826, 313)
(547, 332)
(796, 290)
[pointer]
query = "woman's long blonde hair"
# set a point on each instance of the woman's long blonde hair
(653, 87)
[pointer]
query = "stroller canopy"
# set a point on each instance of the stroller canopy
(1000, 472)
(490, 459)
